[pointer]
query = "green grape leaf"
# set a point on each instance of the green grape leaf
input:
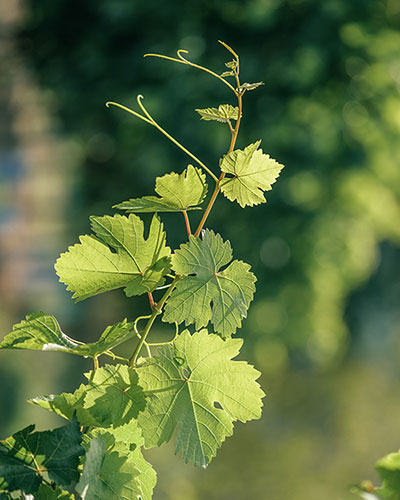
(207, 293)
(137, 264)
(253, 172)
(113, 395)
(227, 73)
(177, 192)
(388, 468)
(46, 492)
(42, 332)
(24, 456)
(113, 471)
(250, 86)
(223, 113)
(66, 405)
(193, 385)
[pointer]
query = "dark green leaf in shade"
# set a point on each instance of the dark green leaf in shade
(206, 293)
(253, 172)
(223, 113)
(5, 496)
(200, 396)
(42, 332)
(46, 492)
(177, 192)
(26, 455)
(136, 264)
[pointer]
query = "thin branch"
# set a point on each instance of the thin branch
(182, 60)
(148, 119)
(189, 232)
(231, 146)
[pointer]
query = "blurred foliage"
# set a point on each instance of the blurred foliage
(323, 249)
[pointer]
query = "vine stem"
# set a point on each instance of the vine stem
(189, 232)
(95, 366)
(156, 311)
(151, 299)
(231, 146)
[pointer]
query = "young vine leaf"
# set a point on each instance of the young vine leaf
(26, 455)
(253, 172)
(223, 113)
(177, 192)
(250, 86)
(137, 264)
(114, 470)
(113, 395)
(193, 385)
(207, 293)
(67, 405)
(42, 332)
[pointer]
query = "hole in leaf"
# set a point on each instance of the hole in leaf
(178, 360)
(217, 405)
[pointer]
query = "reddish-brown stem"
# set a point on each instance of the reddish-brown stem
(217, 185)
(189, 232)
(151, 300)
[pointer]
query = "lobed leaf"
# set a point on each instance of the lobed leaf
(114, 471)
(26, 455)
(46, 492)
(193, 386)
(206, 293)
(67, 405)
(113, 395)
(253, 172)
(177, 192)
(42, 332)
(136, 264)
(223, 113)
(250, 86)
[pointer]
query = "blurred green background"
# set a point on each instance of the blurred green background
(325, 323)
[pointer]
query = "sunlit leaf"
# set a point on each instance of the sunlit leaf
(253, 172)
(223, 113)
(42, 332)
(388, 468)
(177, 192)
(207, 293)
(115, 470)
(136, 264)
(250, 86)
(66, 405)
(113, 395)
(193, 386)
